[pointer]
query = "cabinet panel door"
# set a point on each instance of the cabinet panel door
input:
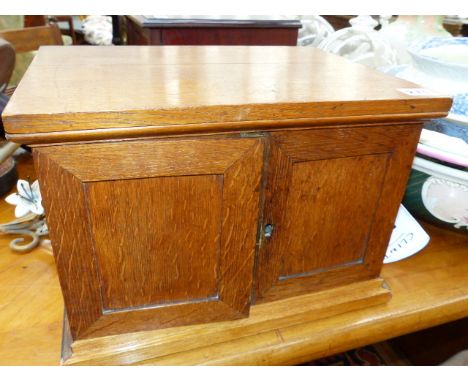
(152, 234)
(330, 202)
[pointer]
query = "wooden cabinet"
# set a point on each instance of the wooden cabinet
(147, 30)
(195, 182)
(168, 229)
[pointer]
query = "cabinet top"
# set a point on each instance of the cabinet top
(87, 92)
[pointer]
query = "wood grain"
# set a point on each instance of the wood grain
(186, 253)
(241, 208)
(327, 161)
(393, 188)
(323, 207)
(199, 85)
(31, 303)
(64, 201)
(153, 31)
(326, 200)
(229, 36)
(428, 289)
(157, 239)
(263, 319)
(29, 39)
(207, 129)
(167, 243)
(149, 158)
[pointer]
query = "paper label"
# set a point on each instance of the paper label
(408, 237)
(418, 92)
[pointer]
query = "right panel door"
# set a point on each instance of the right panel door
(331, 198)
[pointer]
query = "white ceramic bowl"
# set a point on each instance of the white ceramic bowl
(440, 64)
(439, 194)
(444, 58)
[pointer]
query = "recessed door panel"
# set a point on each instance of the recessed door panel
(157, 240)
(331, 206)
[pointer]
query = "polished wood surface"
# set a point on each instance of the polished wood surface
(263, 319)
(435, 345)
(428, 289)
(168, 227)
(164, 231)
(143, 30)
(31, 303)
(209, 201)
(332, 223)
(177, 89)
(28, 39)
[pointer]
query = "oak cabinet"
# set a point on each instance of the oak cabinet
(144, 30)
(169, 229)
(195, 184)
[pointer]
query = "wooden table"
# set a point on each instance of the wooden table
(145, 30)
(429, 289)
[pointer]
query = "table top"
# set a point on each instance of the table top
(429, 289)
(73, 89)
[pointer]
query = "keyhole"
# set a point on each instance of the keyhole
(268, 230)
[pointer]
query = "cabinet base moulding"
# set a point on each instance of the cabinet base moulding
(212, 343)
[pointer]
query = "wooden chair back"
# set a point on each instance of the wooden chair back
(28, 39)
(34, 21)
(38, 20)
(7, 63)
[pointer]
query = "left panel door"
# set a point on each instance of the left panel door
(152, 234)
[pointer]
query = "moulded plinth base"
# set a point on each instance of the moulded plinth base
(212, 343)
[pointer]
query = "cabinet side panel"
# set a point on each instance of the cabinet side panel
(157, 239)
(396, 178)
